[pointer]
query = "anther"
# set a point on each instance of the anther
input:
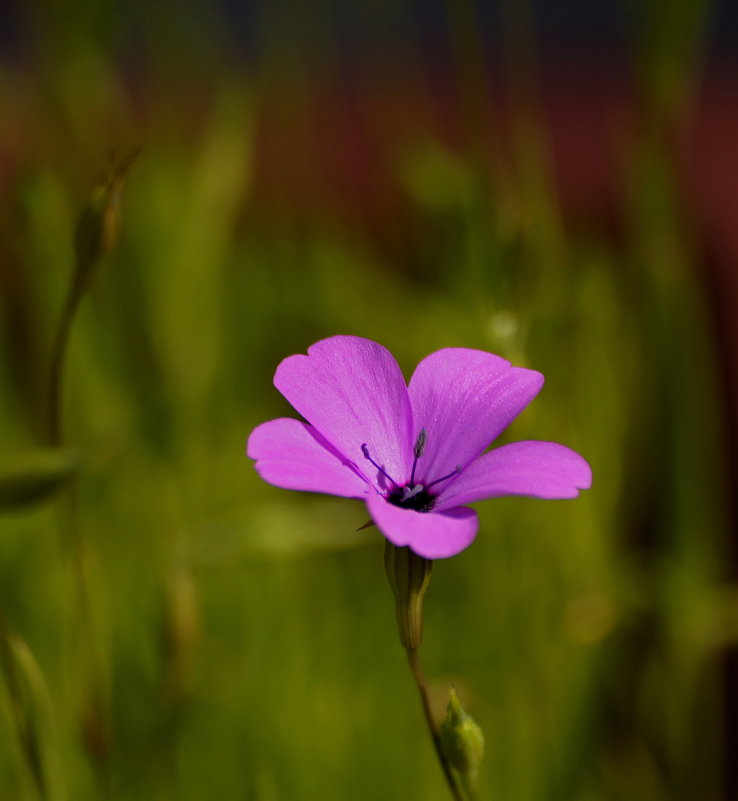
(418, 452)
(453, 473)
(365, 451)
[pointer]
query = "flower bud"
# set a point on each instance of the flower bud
(99, 223)
(408, 576)
(462, 741)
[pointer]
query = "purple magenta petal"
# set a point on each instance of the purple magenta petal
(293, 455)
(463, 399)
(353, 391)
(434, 535)
(540, 469)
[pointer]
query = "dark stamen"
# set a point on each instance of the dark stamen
(365, 451)
(418, 452)
(454, 472)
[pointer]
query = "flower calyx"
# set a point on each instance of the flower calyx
(409, 576)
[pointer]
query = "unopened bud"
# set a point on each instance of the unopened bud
(462, 742)
(99, 223)
(408, 576)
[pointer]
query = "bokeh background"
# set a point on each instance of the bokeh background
(553, 182)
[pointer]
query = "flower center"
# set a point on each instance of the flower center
(417, 497)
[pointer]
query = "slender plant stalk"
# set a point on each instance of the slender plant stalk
(408, 576)
(96, 233)
(93, 727)
(414, 662)
(70, 537)
(57, 365)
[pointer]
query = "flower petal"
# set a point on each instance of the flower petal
(293, 455)
(353, 391)
(463, 399)
(540, 469)
(434, 535)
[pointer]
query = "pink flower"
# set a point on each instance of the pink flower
(414, 453)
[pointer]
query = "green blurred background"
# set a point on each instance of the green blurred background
(538, 181)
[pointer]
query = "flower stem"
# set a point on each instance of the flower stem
(422, 685)
(94, 721)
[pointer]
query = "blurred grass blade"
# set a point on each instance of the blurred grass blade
(36, 476)
(31, 712)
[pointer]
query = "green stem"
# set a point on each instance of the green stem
(72, 545)
(422, 685)
(57, 365)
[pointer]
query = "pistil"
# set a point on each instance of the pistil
(411, 492)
